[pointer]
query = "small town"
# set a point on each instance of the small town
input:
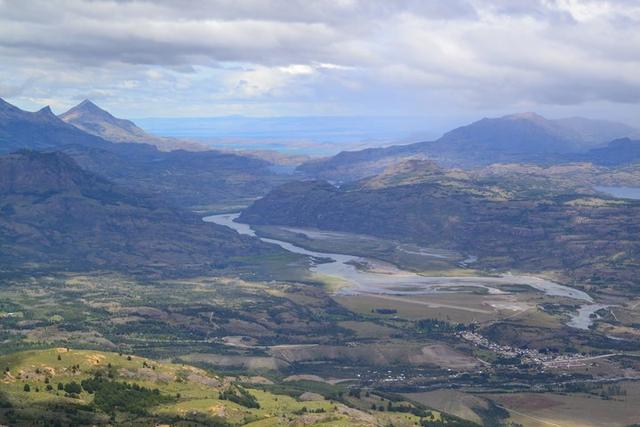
(526, 355)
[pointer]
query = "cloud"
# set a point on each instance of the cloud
(275, 56)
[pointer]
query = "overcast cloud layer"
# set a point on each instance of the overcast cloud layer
(463, 58)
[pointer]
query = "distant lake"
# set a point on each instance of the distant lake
(307, 135)
(621, 192)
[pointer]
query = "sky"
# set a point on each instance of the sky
(452, 60)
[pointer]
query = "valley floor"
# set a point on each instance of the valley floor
(304, 337)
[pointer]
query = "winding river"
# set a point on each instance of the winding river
(584, 317)
(384, 278)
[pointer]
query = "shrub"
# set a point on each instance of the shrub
(112, 395)
(73, 388)
(240, 396)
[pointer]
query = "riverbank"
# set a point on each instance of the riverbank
(380, 278)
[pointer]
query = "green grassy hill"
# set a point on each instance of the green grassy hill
(63, 386)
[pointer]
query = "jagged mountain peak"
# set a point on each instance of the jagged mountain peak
(46, 113)
(89, 106)
(87, 103)
(86, 108)
(92, 119)
(42, 129)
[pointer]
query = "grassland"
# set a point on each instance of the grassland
(281, 339)
(190, 396)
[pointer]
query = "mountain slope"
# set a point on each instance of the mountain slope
(21, 129)
(506, 223)
(57, 216)
(513, 137)
(526, 137)
(109, 388)
(94, 120)
(185, 178)
(623, 151)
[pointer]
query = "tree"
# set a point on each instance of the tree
(26, 388)
(73, 387)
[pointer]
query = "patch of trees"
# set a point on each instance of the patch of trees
(385, 310)
(110, 396)
(507, 361)
(72, 389)
(304, 410)
(192, 418)
(418, 412)
(579, 387)
(611, 345)
(439, 327)
(447, 421)
(355, 392)
(606, 392)
(240, 396)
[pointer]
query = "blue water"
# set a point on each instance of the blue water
(308, 135)
(621, 192)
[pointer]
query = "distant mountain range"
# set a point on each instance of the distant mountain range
(520, 196)
(525, 138)
(57, 216)
(623, 151)
(92, 119)
(185, 178)
(515, 220)
(40, 130)
(94, 197)
(84, 202)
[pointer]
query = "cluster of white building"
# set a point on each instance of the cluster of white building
(526, 355)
